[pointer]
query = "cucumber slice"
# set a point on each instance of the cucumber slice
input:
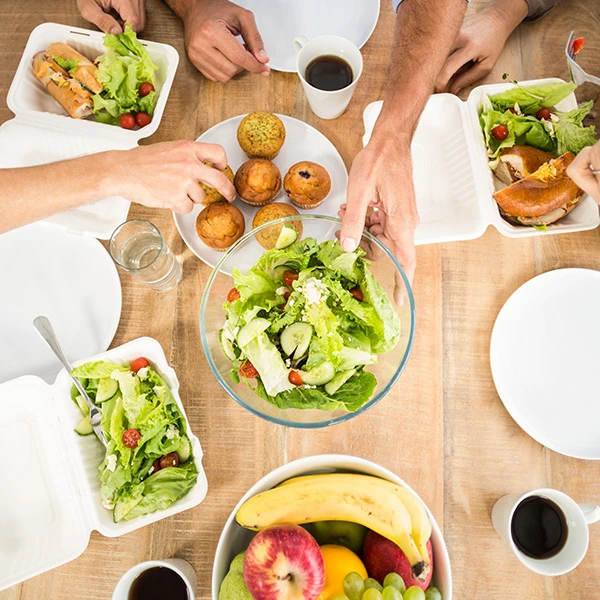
(227, 346)
(107, 388)
(320, 375)
(295, 339)
(251, 330)
(338, 381)
(185, 451)
(83, 406)
(287, 236)
(84, 427)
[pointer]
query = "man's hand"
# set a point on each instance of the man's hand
(381, 178)
(211, 27)
(479, 44)
(98, 12)
(580, 171)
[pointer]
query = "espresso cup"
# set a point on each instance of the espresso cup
(327, 104)
(577, 517)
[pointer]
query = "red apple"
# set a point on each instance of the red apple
(382, 556)
(284, 562)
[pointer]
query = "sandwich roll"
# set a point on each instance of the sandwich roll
(85, 72)
(519, 162)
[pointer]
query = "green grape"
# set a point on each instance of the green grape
(354, 586)
(339, 597)
(372, 594)
(371, 583)
(433, 593)
(391, 593)
(414, 593)
(394, 580)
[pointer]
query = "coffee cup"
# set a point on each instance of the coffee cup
(328, 103)
(546, 529)
(182, 569)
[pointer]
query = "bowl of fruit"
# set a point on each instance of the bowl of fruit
(302, 333)
(331, 527)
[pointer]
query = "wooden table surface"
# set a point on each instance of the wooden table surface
(442, 428)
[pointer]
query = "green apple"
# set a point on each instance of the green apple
(342, 533)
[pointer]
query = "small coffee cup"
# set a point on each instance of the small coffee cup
(564, 549)
(327, 104)
(177, 565)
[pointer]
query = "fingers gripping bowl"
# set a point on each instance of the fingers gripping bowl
(380, 372)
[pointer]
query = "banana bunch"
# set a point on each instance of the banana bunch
(383, 506)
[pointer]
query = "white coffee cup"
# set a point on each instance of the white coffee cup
(327, 104)
(180, 566)
(577, 516)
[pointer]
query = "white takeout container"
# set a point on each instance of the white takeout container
(453, 182)
(43, 132)
(50, 500)
(235, 539)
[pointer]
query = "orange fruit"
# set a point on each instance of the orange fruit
(339, 561)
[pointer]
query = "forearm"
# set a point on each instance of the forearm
(180, 7)
(31, 193)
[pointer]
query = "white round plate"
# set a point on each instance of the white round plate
(302, 142)
(280, 21)
(545, 359)
(69, 278)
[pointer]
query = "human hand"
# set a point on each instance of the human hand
(479, 44)
(211, 27)
(381, 178)
(167, 175)
(580, 171)
(98, 12)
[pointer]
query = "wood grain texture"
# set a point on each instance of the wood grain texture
(442, 428)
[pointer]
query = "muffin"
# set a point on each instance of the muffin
(268, 236)
(220, 225)
(261, 135)
(257, 181)
(307, 184)
(210, 194)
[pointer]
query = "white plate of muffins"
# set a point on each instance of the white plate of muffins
(280, 166)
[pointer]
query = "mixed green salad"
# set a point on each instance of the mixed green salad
(149, 462)
(527, 116)
(304, 322)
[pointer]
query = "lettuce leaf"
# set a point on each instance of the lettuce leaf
(571, 135)
(68, 64)
(532, 97)
(98, 369)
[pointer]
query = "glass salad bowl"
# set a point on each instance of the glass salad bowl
(366, 330)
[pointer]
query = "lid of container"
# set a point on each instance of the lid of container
(42, 523)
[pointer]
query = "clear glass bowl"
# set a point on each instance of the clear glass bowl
(243, 255)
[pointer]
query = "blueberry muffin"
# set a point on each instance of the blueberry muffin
(261, 135)
(257, 181)
(307, 184)
(220, 225)
(211, 195)
(268, 236)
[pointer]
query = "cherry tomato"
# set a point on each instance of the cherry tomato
(500, 132)
(286, 296)
(578, 45)
(357, 293)
(130, 438)
(289, 276)
(145, 88)
(169, 460)
(233, 295)
(294, 378)
(142, 119)
(139, 363)
(156, 465)
(248, 371)
(127, 121)
(543, 113)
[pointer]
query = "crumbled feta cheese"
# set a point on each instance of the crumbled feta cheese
(107, 504)
(288, 363)
(151, 470)
(280, 291)
(111, 462)
(517, 108)
(554, 118)
(172, 432)
(309, 387)
(143, 373)
(315, 291)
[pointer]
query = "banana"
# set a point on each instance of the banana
(363, 499)
(421, 523)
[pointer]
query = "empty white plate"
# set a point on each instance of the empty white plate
(545, 359)
(69, 278)
(280, 21)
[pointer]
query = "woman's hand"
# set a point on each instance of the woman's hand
(580, 171)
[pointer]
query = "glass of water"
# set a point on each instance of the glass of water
(138, 247)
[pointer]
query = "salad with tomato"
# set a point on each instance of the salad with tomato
(149, 462)
(304, 322)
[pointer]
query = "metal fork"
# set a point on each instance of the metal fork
(578, 75)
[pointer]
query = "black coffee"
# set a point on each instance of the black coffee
(329, 73)
(539, 528)
(158, 583)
